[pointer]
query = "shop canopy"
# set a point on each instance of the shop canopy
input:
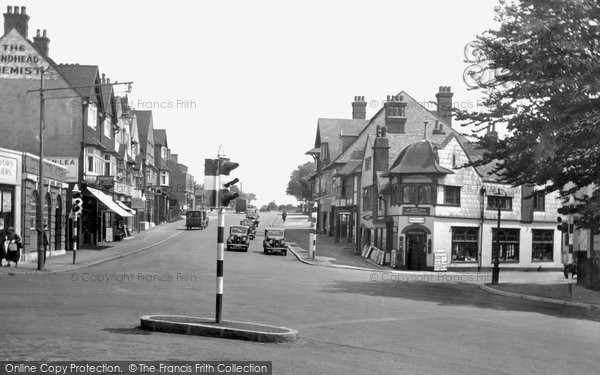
(124, 206)
(108, 202)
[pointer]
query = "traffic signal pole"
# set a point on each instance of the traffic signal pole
(220, 247)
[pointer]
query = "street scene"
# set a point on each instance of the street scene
(270, 188)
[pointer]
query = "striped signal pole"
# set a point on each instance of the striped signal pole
(212, 184)
(220, 255)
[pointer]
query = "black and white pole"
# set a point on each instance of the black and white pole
(220, 247)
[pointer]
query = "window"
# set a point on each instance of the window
(465, 244)
(452, 195)
(93, 160)
(92, 116)
(348, 187)
(164, 178)
(416, 194)
(107, 127)
(107, 165)
(505, 203)
(542, 249)
(539, 201)
(367, 198)
(368, 163)
(396, 195)
(509, 244)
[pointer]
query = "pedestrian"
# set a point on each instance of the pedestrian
(46, 241)
(3, 249)
(13, 244)
(284, 215)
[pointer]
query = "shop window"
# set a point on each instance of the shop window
(542, 246)
(452, 195)
(509, 244)
(465, 244)
(505, 203)
(539, 201)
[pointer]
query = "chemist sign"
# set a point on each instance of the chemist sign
(19, 60)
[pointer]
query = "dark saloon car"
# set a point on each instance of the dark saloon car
(239, 238)
(274, 241)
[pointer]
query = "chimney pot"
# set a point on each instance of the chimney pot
(23, 10)
(16, 10)
(37, 34)
(107, 80)
(45, 33)
(9, 9)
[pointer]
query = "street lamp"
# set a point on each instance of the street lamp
(496, 256)
(482, 192)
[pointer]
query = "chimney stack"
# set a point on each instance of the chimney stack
(444, 104)
(381, 150)
(42, 42)
(16, 20)
(174, 158)
(359, 108)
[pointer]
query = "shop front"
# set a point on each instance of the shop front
(102, 217)
(10, 191)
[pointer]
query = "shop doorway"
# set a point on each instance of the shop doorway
(416, 246)
(58, 224)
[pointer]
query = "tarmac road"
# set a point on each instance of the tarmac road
(349, 321)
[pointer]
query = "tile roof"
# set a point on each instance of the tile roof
(80, 75)
(160, 137)
(328, 130)
(144, 122)
(351, 167)
(419, 157)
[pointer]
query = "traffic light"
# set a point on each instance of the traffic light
(76, 201)
(568, 210)
(210, 182)
(562, 226)
(225, 195)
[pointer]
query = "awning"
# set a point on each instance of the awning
(108, 202)
(124, 206)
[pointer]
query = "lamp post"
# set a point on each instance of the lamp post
(496, 257)
(482, 192)
(40, 198)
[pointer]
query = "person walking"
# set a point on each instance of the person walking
(3, 249)
(13, 243)
(284, 215)
(46, 242)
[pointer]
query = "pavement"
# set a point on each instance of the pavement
(101, 253)
(549, 287)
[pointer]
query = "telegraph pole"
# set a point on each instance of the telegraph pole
(40, 200)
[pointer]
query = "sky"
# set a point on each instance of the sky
(253, 77)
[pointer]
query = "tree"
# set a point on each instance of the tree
(546, 91)
(299, 184)
(272, 206)
(248, 196)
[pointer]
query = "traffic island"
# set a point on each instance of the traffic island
(189, 325)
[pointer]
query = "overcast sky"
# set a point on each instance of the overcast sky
(254, 76)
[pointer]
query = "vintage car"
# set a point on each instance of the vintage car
(252, 225)
(274, 241)
(252, 213)
(239, 238)
(196, 219)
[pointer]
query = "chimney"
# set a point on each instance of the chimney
(16, 20)
(381, 150)
(395, 114)
(174, 158)
(492, 135)
(359, 108)
(42, 42)
(103, 80)
(444, 104)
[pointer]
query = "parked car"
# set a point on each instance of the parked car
(252, 213)
(252, 225)
(239, 238)
(196, 219)
(274, 241)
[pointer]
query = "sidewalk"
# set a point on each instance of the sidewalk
(99, 254)
(549, 287)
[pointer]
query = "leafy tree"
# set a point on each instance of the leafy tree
(272, 206)
(546, 91)
(299, 184)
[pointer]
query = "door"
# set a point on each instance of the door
(416, 242)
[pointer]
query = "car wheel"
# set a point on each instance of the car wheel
(285, 253)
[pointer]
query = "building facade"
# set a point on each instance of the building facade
(403, 197)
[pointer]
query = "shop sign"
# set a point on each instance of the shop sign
(138, 204)
(105, 180)
(440, 260)
(8, 170)
(72, 165)
(125, 189)
(416, 220)
(420, 211)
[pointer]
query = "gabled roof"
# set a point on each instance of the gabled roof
(418, 158)
(329, 130)
(160, 137)
(144, 122)
(80, 75)
(351, 167)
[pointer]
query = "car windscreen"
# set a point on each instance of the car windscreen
(237, 230)
(275, 233)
